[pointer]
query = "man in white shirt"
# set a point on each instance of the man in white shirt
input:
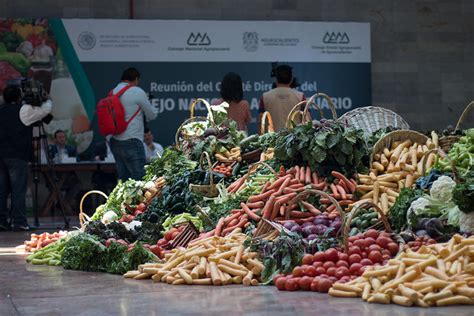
(127, 147)
(16, 150)
(152, 150)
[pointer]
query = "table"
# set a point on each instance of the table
(63, 172)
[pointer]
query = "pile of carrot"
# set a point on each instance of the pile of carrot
(275, 201)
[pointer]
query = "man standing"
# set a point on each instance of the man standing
(152, 150)
(60, 149)
(128, 149)
(16, 149)
(280, 100)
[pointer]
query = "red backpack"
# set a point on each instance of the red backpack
(111, 114)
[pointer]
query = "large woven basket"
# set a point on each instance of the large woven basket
(267, 123)
(83, 217)
(447, 142)
(372, 118)
(300, 113)
(402, 135)
(208, 190)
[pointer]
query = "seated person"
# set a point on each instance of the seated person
(60, 149)
(152, 150)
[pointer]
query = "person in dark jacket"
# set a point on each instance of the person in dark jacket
(60, 148)
(15, 151)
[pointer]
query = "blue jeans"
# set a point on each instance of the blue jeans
(14, 179)
(129, 158)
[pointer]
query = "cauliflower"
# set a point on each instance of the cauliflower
(466, 222)
(442, 189)
(109, 217)
(416, 208)
(132, 225)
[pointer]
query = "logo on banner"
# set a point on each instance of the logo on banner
(198, 39)
(250, 41)
(86, 40)
(336, 38)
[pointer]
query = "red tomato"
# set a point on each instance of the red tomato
(342, 272)
(320, 271)
(317, 264)
(354, 258)
(331, 271)
(342, 263)
(383, 241)
(173, 236)
(333, 279)
(292, 284)
(353, 250)
(305, 283)
(332, 255)
(156, 250)
(386, 257)
(122, 242)
(343, 256)
(364, 254)
(362, 270)
(141, 207)
(375, 256)
(168, 235)
(360, 243)
(385, 234)
(393, 248)
(305, 267)
(298, 272)
(355, 268)
(308, 259)
(181, 228)
(276, 277)
(374, 247)
(324, 285)
(366, 262)
(311, 271)
(386, 252)
(281, 283)
(369, 241)
(319, 256)
(315, 284)
(372, 233)
(352, 238)
(329, 264)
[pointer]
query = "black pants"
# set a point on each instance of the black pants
(14, 178)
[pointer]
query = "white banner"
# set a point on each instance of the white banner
(218, 41)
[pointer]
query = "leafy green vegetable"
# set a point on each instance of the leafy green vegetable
(280, 255)
(327, 146)
(172, 165)
(148, 233)
(398, 212)
(463, 195)
(129, 192)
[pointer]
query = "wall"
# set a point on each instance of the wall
(422, 51)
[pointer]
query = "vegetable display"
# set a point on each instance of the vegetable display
(38, 242)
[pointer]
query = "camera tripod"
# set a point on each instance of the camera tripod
(39, 143)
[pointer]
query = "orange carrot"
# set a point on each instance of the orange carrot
(324, 201)
(286, 198)
(334, 191)
(341, 177)
(296, 185)
(268, 208)
(275, 209)
(308, 175)
(278, 182)
(241, 224)
(319, 186)
(345, 202)
(219, 226)
(341, 191)
(331, 208)
(297, 172)
(282, 210)
(258, 204)
(282, 186)
(294, 182)
(260, 197)
(302, 175)
(282, 171)
(291, 190)
(232, 217)
(249, 213)
(315, 178)
(265, 187)
(311, 208)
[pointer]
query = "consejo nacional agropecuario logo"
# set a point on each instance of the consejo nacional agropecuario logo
(336, 38)
(198, 39)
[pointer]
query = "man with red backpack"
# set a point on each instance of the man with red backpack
(127, 146)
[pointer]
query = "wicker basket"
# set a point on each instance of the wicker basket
(181, 136)
(83, 217)
(361, 205)
(387, 140)
(268, 230)
(251, 156)
(304, 194)
(441, 154)
(264, 127)
(371, 118)
(208, 107)
(304, 115)
(208, 190)
(447, 142)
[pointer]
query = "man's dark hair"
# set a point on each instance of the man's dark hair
(130, 74)
(11, 94)
(231, 88)
(284, 74)
(147, 130)
(58, 131)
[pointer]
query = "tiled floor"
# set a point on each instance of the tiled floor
(41, 290)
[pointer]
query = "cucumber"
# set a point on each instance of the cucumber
(374, 221)
(236, 169)
(354, 231)
(248, 140)
(373, 215)
(356, 223)
(364, 224)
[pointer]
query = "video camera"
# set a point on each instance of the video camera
(32, 93)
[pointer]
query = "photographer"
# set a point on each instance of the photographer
(16, 149)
